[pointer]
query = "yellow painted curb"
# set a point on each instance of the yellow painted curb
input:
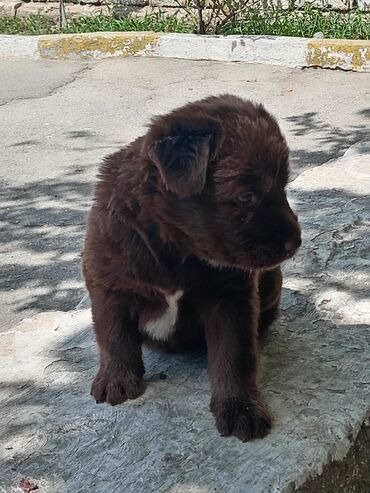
(339, 53)
(98, 45)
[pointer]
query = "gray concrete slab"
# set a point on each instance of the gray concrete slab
(315, 374)
(58, 119)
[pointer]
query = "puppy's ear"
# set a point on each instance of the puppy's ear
(182, 161)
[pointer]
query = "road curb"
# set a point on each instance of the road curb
(273, 50)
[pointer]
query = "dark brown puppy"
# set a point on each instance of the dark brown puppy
(184, 242)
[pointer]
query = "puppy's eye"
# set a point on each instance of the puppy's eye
(249, 198)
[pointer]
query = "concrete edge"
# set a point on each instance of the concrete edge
(274, 50)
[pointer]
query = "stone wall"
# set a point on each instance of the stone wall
(334, 4)
(51, 8)
(138, 7)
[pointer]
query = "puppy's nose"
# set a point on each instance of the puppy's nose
(292, 245)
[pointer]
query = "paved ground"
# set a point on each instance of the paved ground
(57, 121)
(315, 376)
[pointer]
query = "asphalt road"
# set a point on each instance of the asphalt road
(58, 120)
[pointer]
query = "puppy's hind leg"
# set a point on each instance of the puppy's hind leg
(188, 331)
(269, 290)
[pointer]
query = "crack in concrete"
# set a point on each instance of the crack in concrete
(54, 90)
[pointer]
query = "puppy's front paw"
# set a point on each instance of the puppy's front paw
(115, 386)
(244, 419)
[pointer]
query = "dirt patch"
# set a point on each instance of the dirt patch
(350, 475)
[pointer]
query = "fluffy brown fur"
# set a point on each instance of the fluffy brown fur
(188, 228)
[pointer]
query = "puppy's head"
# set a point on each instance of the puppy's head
(222, 167)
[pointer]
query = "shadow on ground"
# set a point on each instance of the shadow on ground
(324, 141)
(43, 228)
(43, 222)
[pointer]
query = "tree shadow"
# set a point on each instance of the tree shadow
(43, 224)
(324, 141)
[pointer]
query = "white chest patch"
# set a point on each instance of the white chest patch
(161, 328)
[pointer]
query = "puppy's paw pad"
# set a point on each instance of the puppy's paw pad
(116, 387)
(244, 419)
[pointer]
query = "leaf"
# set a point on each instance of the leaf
(28, 486)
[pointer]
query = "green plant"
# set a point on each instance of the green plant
(303, 23)
(34, 24)
(277, 22)
(211, 16)
(157, 22)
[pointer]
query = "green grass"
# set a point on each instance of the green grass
(305, 23)
(38, 24)
(156, 22)
(34, 24)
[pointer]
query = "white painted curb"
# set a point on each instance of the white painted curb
(274, 50)
(19, 46)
